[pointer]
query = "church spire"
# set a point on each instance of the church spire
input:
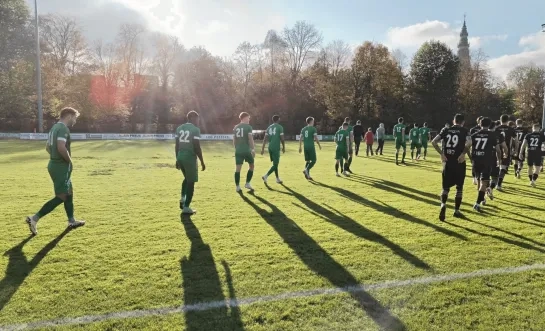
(463, 45)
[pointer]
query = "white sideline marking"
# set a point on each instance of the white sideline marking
(270, 298)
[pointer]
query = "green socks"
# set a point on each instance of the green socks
(249, 176)
(184, 188)
(237, 178)
(271, 170)
(69, 207)
(49, 206)
(190, 190)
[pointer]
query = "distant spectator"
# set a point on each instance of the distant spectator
(369, 140)
(358, 135)
(381, 132)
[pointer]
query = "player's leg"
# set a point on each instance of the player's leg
(273, 167)
(357, 146)
(484, 174)
(250, 159)
(531, 172)
(503, 171)
(398, 146)
(276, 163)
(425, 146)
(493, 182)
(460, 178)
(191, 176)
(404, 146)
(446, 184)
(348, 163)
(413, 146)
(311, 161)
(337, 162)
(537, 170)
(239, 160)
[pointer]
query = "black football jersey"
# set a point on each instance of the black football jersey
(483, 145)
(521, 132)
(453, 141)
(534, 140)
(508, 134)
(474, 130)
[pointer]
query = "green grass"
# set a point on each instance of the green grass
(378, 225)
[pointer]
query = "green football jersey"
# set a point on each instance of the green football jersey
(424, 134)
(242, 142)
(415, 135)
(398, 130)
(308, 133)
(59, 132)
(341, 139)
(185, 135)
(274, 131)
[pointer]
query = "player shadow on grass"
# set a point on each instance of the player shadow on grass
(202, 285)
(19, 268)
(319, 261)
(391, 211)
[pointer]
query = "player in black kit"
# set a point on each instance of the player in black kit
(533, 143)
(509, 136)
(473, 130)
(455, 142)
(520, 132)
(494, 164)
(484, 145)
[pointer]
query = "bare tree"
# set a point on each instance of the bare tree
(64, 44)
(246, 60)
(276, 46)
(302, 39)
(131, 52)
(168, 50)
(400, 58)
(336, 55)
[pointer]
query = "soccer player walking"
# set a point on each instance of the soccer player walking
(60, 170)
(342, 138)
(358, 135)
(509, 136)
(485, 144)
(425, 136)
(349, 128)
(472, 131)
(309, 135)
(399, 135)
(533, 143)
(243, 140)
(414, 135)
(520, 132)
(275, 136)
(455, 142)
(188, 149)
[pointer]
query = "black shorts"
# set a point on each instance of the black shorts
(494, 170)
(535, 161)
(482, 170)
(506, 162)
(454, 174)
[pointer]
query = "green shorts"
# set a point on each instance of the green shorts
(415, 145)
(425, 144)
(400, 144)
(240, 157)
(189, 169)
(310, 154)
(60, 175)
(274, 156)
(341, 154)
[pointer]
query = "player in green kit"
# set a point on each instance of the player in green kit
(309, 135)
(342, 138)
(350, 129)
(188, 149)
(244, 150)
(399, 135)
(275, 136)
(414, 135)
(60, 171)
(425, 136)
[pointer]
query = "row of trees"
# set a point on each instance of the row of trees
(147, 81)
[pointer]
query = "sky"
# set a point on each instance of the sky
(508, 32)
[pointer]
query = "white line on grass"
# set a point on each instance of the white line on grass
(269, 298)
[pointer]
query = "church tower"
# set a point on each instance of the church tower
(463, 46)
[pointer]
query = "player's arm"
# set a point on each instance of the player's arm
(499, 153)
(504, 148)
(351, 135)
(63, 151)
(252, 143)
(523, 147)
(301, 142)
(48, 148)
(282, 141)
(466, 150)
(317, 140)
(198, 151)
(265, 139)
(349, 144)
(435, 144)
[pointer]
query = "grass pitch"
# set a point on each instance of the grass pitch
(378, 225)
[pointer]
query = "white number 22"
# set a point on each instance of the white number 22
(184, 135)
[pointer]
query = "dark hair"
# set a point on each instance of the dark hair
(425, 124)
(485, 122)
(192, 115)
(479, 119)
(519, 122)
(310, 119)
(504, 118)
(536, 125)
(370, 129)
(69, 111)
(345, 124)
(347, 119)
(243, 115)
(459, 118)
(400, 120)
(511, 123)
(275, 118)
(415, 125)
(498, 123)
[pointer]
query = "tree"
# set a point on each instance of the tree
(528, 82)
(245, 58)
(168, 50)
(276, 45)
(15, 32)
(302, 39)
(434, 83)
(337, 54)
